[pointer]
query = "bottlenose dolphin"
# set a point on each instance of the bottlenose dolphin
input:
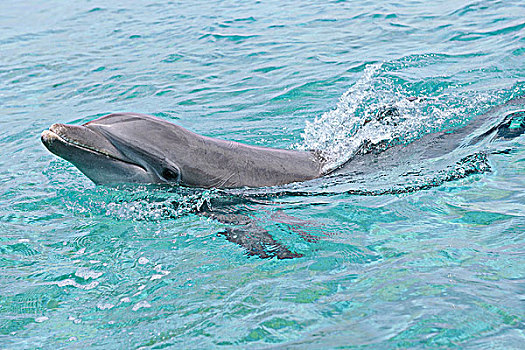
(137, 148)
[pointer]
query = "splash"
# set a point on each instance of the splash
(378, 112)
(154, 209)
(139, 203)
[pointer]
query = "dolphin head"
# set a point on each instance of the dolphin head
(120, 148)
(137, 148)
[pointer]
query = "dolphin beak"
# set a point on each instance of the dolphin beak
(48, 137)
(93, 154)
(60, 136)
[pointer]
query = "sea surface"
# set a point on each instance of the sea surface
(420, 254)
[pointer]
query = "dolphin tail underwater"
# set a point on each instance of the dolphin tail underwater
(137, 148)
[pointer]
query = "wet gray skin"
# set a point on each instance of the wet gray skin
(136, 148)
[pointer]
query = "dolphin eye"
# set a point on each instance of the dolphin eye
(170, 175)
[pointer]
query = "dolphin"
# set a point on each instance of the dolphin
(136, 148)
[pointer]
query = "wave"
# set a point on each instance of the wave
(378, 111)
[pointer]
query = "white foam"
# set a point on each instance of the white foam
(354, 126)
(140, 305)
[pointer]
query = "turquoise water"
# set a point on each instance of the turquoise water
(426, 254)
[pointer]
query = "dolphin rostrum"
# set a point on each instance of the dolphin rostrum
(137, 148)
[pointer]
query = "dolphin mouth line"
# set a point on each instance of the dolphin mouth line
(87, 148)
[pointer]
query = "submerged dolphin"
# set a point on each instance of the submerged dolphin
(137, 148)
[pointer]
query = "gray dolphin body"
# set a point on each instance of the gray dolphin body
(137, 148)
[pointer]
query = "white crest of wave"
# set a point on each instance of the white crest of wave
(378, 112)
(331, 134)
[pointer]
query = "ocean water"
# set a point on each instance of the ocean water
(418, 253)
